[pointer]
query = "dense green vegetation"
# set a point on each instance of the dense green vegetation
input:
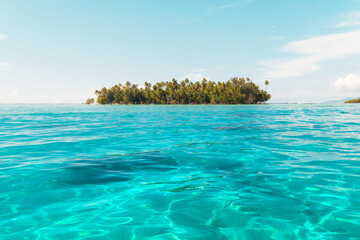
(90, 101)
(353, 101)
(234, 91)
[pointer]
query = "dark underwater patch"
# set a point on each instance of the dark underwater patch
(240, 128)
(117, 168)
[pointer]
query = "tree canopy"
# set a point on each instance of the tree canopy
(353, 101)
(90, 101)
(234, 91)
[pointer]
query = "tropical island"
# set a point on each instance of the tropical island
(234, 91)
(353, 101)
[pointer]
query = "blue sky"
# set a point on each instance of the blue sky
(61, 51)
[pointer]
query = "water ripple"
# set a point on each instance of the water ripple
(180, 172)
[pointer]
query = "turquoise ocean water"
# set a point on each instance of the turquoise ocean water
(180, 172)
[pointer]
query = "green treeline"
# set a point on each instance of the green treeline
(234, 91)
(353, 101)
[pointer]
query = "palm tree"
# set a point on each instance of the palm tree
(266, 84)
(234, 91)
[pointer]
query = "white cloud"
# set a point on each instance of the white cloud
(350, 19)
(196, 76)
(4, 65)
(231, 5)
(15, 92)
(351, 82)
(3, 36)
(313, 51)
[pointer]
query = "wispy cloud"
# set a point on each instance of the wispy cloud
(196, 75)
(312, 52)
(227, 6)
(349, 83)
(4, 65)
(15, 92)
(3, 36)
(350, 19)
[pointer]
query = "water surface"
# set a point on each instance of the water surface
(180, 172)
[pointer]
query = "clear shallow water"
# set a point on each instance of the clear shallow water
(180, 172)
